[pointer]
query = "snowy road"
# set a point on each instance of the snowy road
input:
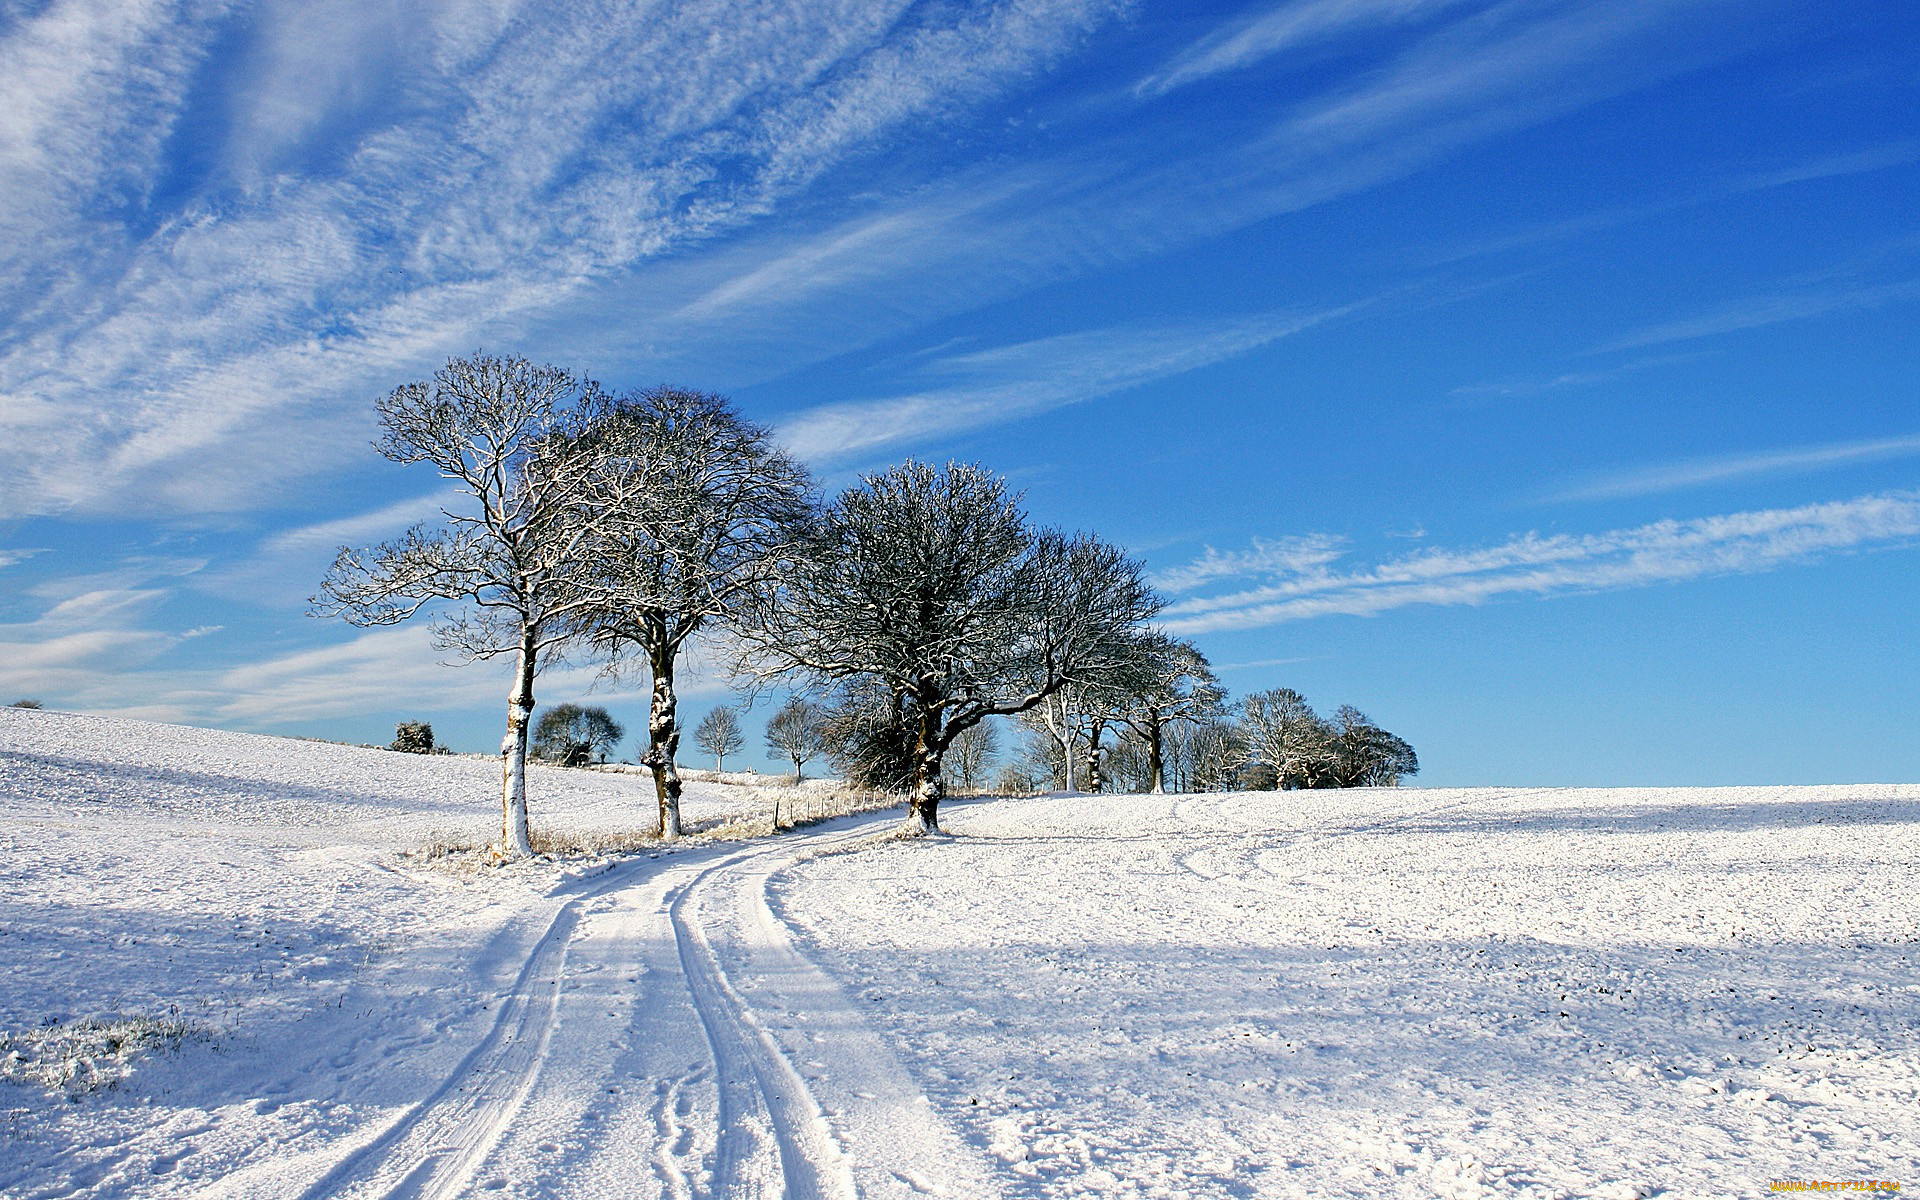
(665, 1038)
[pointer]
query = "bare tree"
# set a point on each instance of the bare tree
(504, 566)
(1103, 705)
(931, 582)
(973, 751)
(692, 510)
(1365, 755)
(1284, 732)
(797, 732)
(1176, 686)
(572, 734)
(1058, 718)
(719, 735)
(1218, 748)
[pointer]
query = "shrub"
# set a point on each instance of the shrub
(26, 704)
(413, 737)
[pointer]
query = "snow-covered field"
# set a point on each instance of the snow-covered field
(1683, 992)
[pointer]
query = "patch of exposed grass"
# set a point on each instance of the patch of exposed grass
(88, 1055)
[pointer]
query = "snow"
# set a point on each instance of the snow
(1491, 992)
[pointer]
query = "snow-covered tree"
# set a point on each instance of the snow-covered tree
(572, 735)
(719, 735)
(1365, 755)
(1058, 720)
(797, 732)
(1176, 685)
(692, 509)
(502, 567)
(1284, 732)
(412, 737)
(1217, 748)
(932, 583)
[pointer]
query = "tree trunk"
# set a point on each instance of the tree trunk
(1066, 761)
(514, 840)
(663, 745)
(1093, 755)
(923, 812)
(1156, 762)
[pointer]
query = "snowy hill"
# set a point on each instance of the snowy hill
(1495, 992)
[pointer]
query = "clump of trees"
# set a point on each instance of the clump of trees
(573, 735)
(1270, 740)
(930, 591)
(919, 606)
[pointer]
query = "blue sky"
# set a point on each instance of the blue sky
(1538, 377)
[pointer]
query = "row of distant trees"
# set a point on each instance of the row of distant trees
(1270, 740)
(1178, 734)
(918, 603)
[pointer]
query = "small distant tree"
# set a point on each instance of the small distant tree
(26, 704)
(931, 583)
(1018, 778)
(719, 735)
(973, 751)
(797, 733)
(504, 565)
(573, 735)
(1257, 776)
(1365, 755)
(1218, 749)
(1175, 686)
(413, 737)
(1126, 767)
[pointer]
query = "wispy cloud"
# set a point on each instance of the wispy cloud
(1267, 557)
(1759, 311)
(198, 354)
(1286, 27)
(1010, 382)
(1568, 379)
(1543, 565)
(190, 336)
(1700, 472)
(1737, 182)
(99, 645)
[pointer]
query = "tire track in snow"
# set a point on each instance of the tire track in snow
(846, 1084)
(435, 1149)
(772, 1139)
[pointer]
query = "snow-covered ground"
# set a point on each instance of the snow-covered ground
(1682, 992)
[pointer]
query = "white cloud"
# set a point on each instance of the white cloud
(1268, 557)
(1287, 27)
(97, 647)
(201, 359)
(1673, 477)
(1760, 311)
(1010, 382)
(1532, 564)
